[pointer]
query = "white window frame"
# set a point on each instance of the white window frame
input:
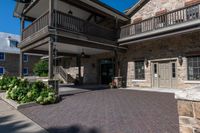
(25, 74)
(3, 70)
(4, 56)
(24, 58)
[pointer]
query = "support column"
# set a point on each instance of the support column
(79, 68)
(51, 8)
(22, 27)
(116, 64)
(21, 64)
(50, 75)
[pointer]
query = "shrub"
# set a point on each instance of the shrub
(23, 92)
(41, 68)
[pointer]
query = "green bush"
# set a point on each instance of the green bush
(23, 92)
(41, 68)
(5, 82)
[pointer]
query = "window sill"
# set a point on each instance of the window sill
(192, 82)
(138, 80)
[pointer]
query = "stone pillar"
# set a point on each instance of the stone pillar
(21, 64)
(50, 75)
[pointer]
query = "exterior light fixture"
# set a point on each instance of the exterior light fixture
(180, 60)
(82, 53)
(70, 12)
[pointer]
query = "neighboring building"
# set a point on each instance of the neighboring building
(9, 56)
(160, 46)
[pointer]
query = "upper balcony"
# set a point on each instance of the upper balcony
(174, 21)
(68, 23)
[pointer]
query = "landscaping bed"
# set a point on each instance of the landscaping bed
(23, 91)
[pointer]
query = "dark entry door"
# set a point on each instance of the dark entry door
(107, 71)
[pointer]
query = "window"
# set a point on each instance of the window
(13, 43)
(194, 68)
(192, 12)
(25, 58)
(139, 70)
(25, 71)
(2, 56)
(2, 70)
(173, 70)
(155, 69)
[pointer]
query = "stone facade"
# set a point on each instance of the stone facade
(189, 116)
(154, 6)
(161, 49)
(11, 63)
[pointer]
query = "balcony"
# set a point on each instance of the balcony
(172, 21)
(68, 23)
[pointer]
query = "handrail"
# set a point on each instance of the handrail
(174, 17)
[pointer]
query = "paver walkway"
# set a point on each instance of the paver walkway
(12, 121)
(109, 111)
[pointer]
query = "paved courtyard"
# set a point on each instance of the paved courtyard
(109, 111)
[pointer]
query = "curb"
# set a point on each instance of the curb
(15, 104)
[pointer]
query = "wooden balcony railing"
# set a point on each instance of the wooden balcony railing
(37, 25)
(70, 23)
(175, 17)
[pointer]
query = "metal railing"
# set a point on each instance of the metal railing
(174, 17)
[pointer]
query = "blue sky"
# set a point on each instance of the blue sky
(11, 25)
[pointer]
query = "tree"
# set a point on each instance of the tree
(41, 68)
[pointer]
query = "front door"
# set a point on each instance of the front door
(164, 74)
(106, 71)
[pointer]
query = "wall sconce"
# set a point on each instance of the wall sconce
(146, 62)
(70, 12)
(180, 60)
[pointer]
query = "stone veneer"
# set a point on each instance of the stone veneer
(159, 49)
(189, 116)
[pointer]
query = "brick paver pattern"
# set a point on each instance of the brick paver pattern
(109, 111)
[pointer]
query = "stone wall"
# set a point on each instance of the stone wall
(189, 116)
(154, 6)
(159, 49)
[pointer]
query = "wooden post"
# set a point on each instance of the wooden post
(79, 68)
(50, 75)
(22, 27)
(21, 64)
(51, 8)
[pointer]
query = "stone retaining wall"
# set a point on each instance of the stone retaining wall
(189, 116)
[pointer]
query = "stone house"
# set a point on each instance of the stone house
(154, 44)
(9, 56)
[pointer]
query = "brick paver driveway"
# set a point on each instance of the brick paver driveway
(109, 111)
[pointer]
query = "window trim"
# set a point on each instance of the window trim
(4, 55)
(25, 74)
(137, 79)
(3, 70)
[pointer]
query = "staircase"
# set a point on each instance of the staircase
(63, 75)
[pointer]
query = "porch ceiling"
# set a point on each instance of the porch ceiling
(72, 49)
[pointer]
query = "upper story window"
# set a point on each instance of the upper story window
(139, 70)
(194, 68)
(192, 12)
(2, 70)
(2, 56)
(13, 43)
(25, 58)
